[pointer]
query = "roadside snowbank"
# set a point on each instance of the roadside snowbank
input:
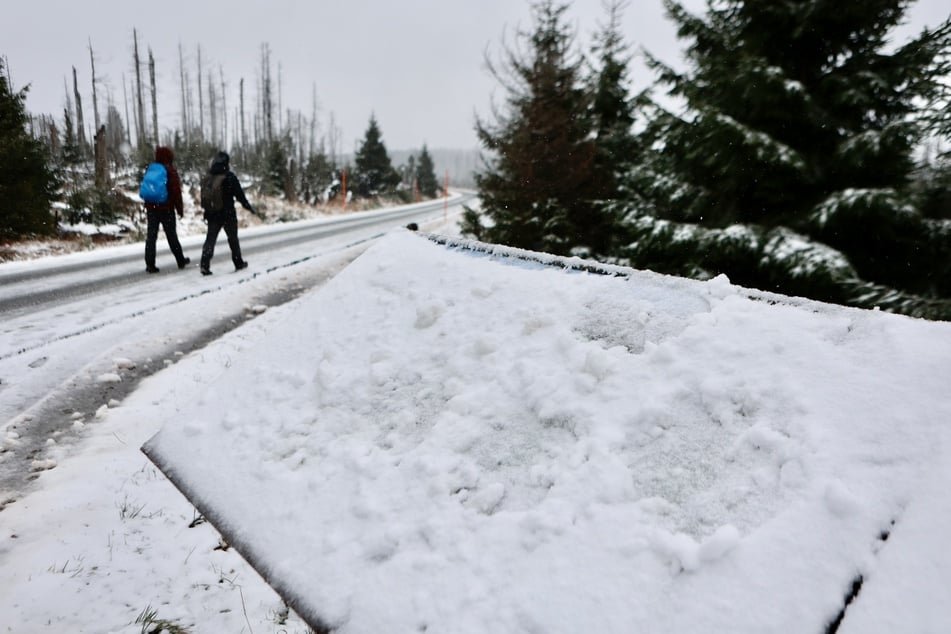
(438, 440)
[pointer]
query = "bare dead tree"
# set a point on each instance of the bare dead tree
(235, 141)
(80, 127)
(312, 142)
(201, 106)
(301, 157)
(155, 133)
(266, 96)
(101, 159)
(140, 112)
(95, 100)
(244, 136)
(184, 88)
(69, 109)
(125, 99)
(224, 107)
(212, 109)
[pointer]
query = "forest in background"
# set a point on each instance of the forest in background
(802, 150)
(86, 161)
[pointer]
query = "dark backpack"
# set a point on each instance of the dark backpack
(212, 192)
(154, 187)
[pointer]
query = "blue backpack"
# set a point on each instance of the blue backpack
(154, 187)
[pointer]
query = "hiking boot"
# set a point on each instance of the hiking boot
(205, 270)
(243, 264)
(185, 262)
(151, 269)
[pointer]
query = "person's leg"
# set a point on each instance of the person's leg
(231, 230)
(208, 249)
(168, 224)
(151, 235)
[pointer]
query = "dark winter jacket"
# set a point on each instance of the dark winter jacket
(166, 157)
(231, 188)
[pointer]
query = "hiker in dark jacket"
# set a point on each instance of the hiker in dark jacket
(226, 217)
(164, 214)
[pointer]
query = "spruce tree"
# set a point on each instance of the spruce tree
(276, 170)
(374, 170)
(318, 175)
(790, 165)
(612, 118)
(538, 185)
(70, 150)
(28, 185)
(426, 174)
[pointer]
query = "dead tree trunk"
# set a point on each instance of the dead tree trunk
(224, 108)
(138, 91)
(101, 159)
(80, 127)
(212, 110)
(244, 136)
(201, 108)
(130, 123)
(266, 97)
(95, 100)
(312, 142)
(155, 134)
(184, 84)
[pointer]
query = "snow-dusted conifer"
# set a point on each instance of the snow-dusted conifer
(612, 119)
(28, 185)
(797, 117)
(538, 184)
(374, 170)
(426, 173)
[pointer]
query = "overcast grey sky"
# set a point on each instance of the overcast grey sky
(418, 65)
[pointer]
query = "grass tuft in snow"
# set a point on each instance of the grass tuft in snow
(151, 624)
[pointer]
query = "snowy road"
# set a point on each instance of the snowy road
(33, 285)
(79, 332)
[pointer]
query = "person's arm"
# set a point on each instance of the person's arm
(175, 191)
(239, 194)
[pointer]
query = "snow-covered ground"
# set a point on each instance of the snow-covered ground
(437, 440)
(103, 345)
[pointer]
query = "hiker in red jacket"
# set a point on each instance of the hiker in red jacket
(164, 214)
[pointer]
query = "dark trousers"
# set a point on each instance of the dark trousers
(228, 222)
(167, 221)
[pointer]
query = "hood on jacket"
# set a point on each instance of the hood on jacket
(219, 164)
(164, 155)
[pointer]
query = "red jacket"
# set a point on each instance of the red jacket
(166, 157)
